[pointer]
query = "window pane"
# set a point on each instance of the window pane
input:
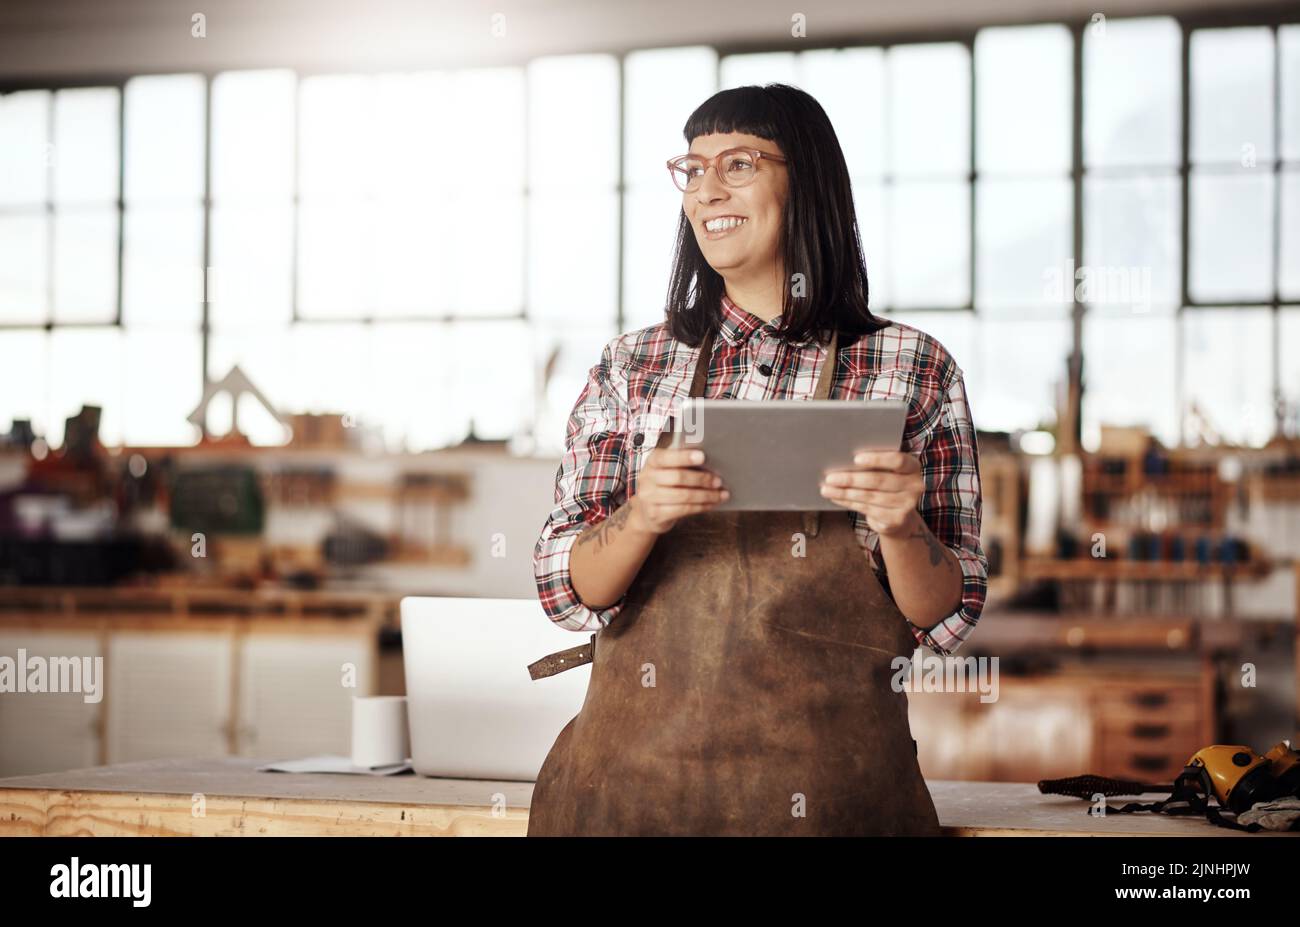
(262, 353)
(86, 369)
(488, 107)
(1232, 95)
(869, 200)
(85, 266)
(649, 233)
(163, 385)
(1024, 85)
(1020, 372)
(85, 145)
(576, 349)
(24, 249)
(573, 123)
(1023, 238)
(930, 248)
(1289, 374)
(252, 134)
(494, 381)
(1289, 271)
(409, 269)
(25, 150)
(23, 381)
(1231, 237)
(1228, 364)
(340, 149)
(663, 87)
(412, 385)
(761, 68)
(164, 138)
(333, 244)
(929, 109)
(163, 261)
(849, 83)
(488, 256)
(573, 257)
(415, 132)
(249, 280)
(331, 368)
(1131, 241)
(1131, 109)
(1128, 375)
(1288, 38)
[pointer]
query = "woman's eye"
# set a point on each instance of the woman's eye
(739, 166)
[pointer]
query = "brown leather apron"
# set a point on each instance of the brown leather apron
(742, 690)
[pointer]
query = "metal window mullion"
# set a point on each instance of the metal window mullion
(52, 152)
(1185, 175)
(295, 202)
(1279, 416)
(1075, 365)
(121, 198)
(206, 268)
(621, 192)
(972, 178)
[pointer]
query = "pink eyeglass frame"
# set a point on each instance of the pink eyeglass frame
(716, 161)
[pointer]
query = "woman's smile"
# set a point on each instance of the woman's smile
(723, 226)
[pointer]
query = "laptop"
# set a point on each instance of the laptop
(474, 711)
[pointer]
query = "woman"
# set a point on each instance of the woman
(742, 665)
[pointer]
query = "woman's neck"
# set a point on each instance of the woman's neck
(764, 297)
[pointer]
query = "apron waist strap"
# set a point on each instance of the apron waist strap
(563, 660)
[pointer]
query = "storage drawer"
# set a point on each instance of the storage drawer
(1149, 766)
(1148, 740)
(1148, 703)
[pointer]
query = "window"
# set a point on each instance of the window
(435, 251)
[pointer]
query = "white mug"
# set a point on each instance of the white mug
(381, 735)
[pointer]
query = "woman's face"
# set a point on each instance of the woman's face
(752, 246)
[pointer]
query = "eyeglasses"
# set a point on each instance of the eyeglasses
(736, 167)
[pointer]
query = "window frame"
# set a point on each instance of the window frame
(1188, 24)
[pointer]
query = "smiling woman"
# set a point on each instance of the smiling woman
(799, 253)
(743, 661)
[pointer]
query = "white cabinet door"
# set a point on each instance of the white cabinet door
(51, 731)
(169, 694)
(294, 698)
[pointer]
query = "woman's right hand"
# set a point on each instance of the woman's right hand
(672, 485)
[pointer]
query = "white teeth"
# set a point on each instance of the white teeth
(718, 225)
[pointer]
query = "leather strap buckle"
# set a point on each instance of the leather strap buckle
(563, 660)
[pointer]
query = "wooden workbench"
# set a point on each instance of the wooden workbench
(163, 798)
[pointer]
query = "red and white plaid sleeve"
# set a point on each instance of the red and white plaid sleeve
(590, 484)
(952, 508)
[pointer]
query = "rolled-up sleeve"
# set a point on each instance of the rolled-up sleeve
(952, 507)
(590, 484)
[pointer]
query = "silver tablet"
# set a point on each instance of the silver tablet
(771, 454)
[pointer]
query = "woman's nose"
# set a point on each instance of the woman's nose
(711, 188)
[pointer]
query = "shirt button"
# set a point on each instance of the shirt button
(638, 439)
(765, 369)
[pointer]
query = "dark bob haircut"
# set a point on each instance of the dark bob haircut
(819, 237)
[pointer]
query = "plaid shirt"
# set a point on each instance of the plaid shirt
(643, 375)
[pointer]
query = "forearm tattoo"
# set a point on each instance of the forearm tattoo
(602, 535)
(935, 547)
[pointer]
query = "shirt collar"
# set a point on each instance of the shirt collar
(739, 324)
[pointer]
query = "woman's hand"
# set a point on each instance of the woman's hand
(672, 485)
(885, 486)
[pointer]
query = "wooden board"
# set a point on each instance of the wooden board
(156, 798)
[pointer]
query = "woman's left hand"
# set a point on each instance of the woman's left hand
(885, 486)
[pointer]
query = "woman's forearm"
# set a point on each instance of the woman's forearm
(924, 575)
(607, 556)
